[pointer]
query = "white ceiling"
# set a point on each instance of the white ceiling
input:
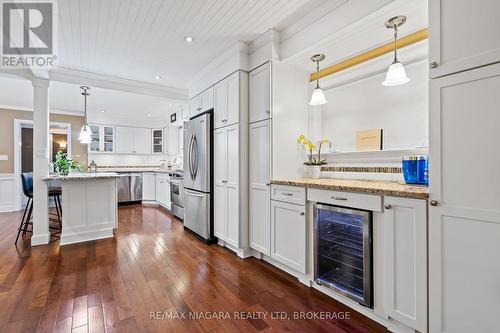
(140, 39)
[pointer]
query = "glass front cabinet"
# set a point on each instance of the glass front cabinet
(103, 139)
(157, 141)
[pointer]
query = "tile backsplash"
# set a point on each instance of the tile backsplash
(130, 160)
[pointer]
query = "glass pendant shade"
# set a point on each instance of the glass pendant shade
(396, 75)
(85, 135)
(318, 97)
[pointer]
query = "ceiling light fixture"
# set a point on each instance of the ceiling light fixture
(85, 133)
(318, 95)
(189, 39)
(396, 74)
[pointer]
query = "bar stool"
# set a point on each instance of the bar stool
(27, 183)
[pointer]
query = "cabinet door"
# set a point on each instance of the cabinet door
(172, 140)
(405, 225)
(157, 140)
(464, 224)
(207, 99)
(288, 235)
(167, 193)
(108, 139)
(259, 186)
(464, 34)
(161, 194)
(142, 140)
(220, 108)
(194, 106)
(259, 93)
(233, 184)
(233, 99)
(95, 144)
(220, 190)
(148, 187)
(125, 142)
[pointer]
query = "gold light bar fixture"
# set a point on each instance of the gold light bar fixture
(371, 54)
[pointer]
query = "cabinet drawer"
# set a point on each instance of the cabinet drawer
(291, 194)
(346, 199)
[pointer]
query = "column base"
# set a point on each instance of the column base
(40, 239)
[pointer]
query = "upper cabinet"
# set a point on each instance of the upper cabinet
(259, 93)
(157, 141)
(133, 140)
(103, 138)
(227, 101)
(201, 103)
(472, 35)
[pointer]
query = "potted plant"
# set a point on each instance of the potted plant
(314, 160)
(65, 164)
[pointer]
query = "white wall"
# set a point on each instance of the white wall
(402, 111)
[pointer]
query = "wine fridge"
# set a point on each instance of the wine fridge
(343, 251)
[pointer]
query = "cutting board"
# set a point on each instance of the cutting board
(369, 140)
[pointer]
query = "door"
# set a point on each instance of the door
(142, 140)
(405, 226)
(464, 225)
(259, 186)
(220, 190)
(200, 153)
(464, 34)
(288, 235)
(125, 142)
(220, 108)
(197, 212)
(148, 187)
(207, 99)
(259, 93)
(187, 138)
(233, 185)
(233, 99)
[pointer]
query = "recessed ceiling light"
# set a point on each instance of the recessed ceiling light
(158, 77)
(103, 111)
(149, 114)
(169, 105)
(189, 39)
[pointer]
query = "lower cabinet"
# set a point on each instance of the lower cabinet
(163, 190)
(289, 235)
(405, 225)
(148, 186)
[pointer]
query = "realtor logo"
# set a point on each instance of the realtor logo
(28, 34)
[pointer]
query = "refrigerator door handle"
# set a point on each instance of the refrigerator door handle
(190, 157)
(196, 161)
(193, 194)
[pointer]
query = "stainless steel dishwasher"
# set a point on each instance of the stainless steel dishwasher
(130, 188)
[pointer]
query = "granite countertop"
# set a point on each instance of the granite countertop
(363, 186)
(134, 169)
(83, 176)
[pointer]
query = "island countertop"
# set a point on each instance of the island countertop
(364, 186)
(83, 176)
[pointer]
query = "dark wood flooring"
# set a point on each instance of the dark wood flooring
(152, 265)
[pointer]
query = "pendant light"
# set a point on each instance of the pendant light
(396, 74)
(318, 95)
(85, 133)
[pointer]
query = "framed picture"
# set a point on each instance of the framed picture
(173, 117)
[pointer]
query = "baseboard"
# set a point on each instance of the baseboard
(7, 193)
(40, 239)
(240, 252)
(71, 238)
(303, 278)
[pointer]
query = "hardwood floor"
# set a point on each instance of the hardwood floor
(152, 265)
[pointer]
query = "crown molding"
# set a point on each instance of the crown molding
(76, 76)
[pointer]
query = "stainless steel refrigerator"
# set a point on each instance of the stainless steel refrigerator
(198, 176)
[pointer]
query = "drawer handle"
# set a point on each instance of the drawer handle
(198, 109)
(387, 206)
(339, 198)
(433, 203)
(287, 194)
(433, 64)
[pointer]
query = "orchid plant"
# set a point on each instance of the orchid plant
(313, 149)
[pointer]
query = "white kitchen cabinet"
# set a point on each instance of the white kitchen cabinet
(157, 141)
(464, 212)
(142, 138)
(405, 226)
(125, 141)
(171, 134)
(163, 189)
(227, 214)
(227, 101)
(259, 186)
(289, 235)
(207, 99)
(259, 93)
(464, 34)
(103, 138)
(194, 106)
(148, 186)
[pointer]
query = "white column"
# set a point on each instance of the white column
(40, 161)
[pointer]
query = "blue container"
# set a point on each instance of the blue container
(415, 170)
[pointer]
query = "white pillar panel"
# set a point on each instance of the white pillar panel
(40, 161)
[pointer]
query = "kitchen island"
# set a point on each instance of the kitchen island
(89, 206)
